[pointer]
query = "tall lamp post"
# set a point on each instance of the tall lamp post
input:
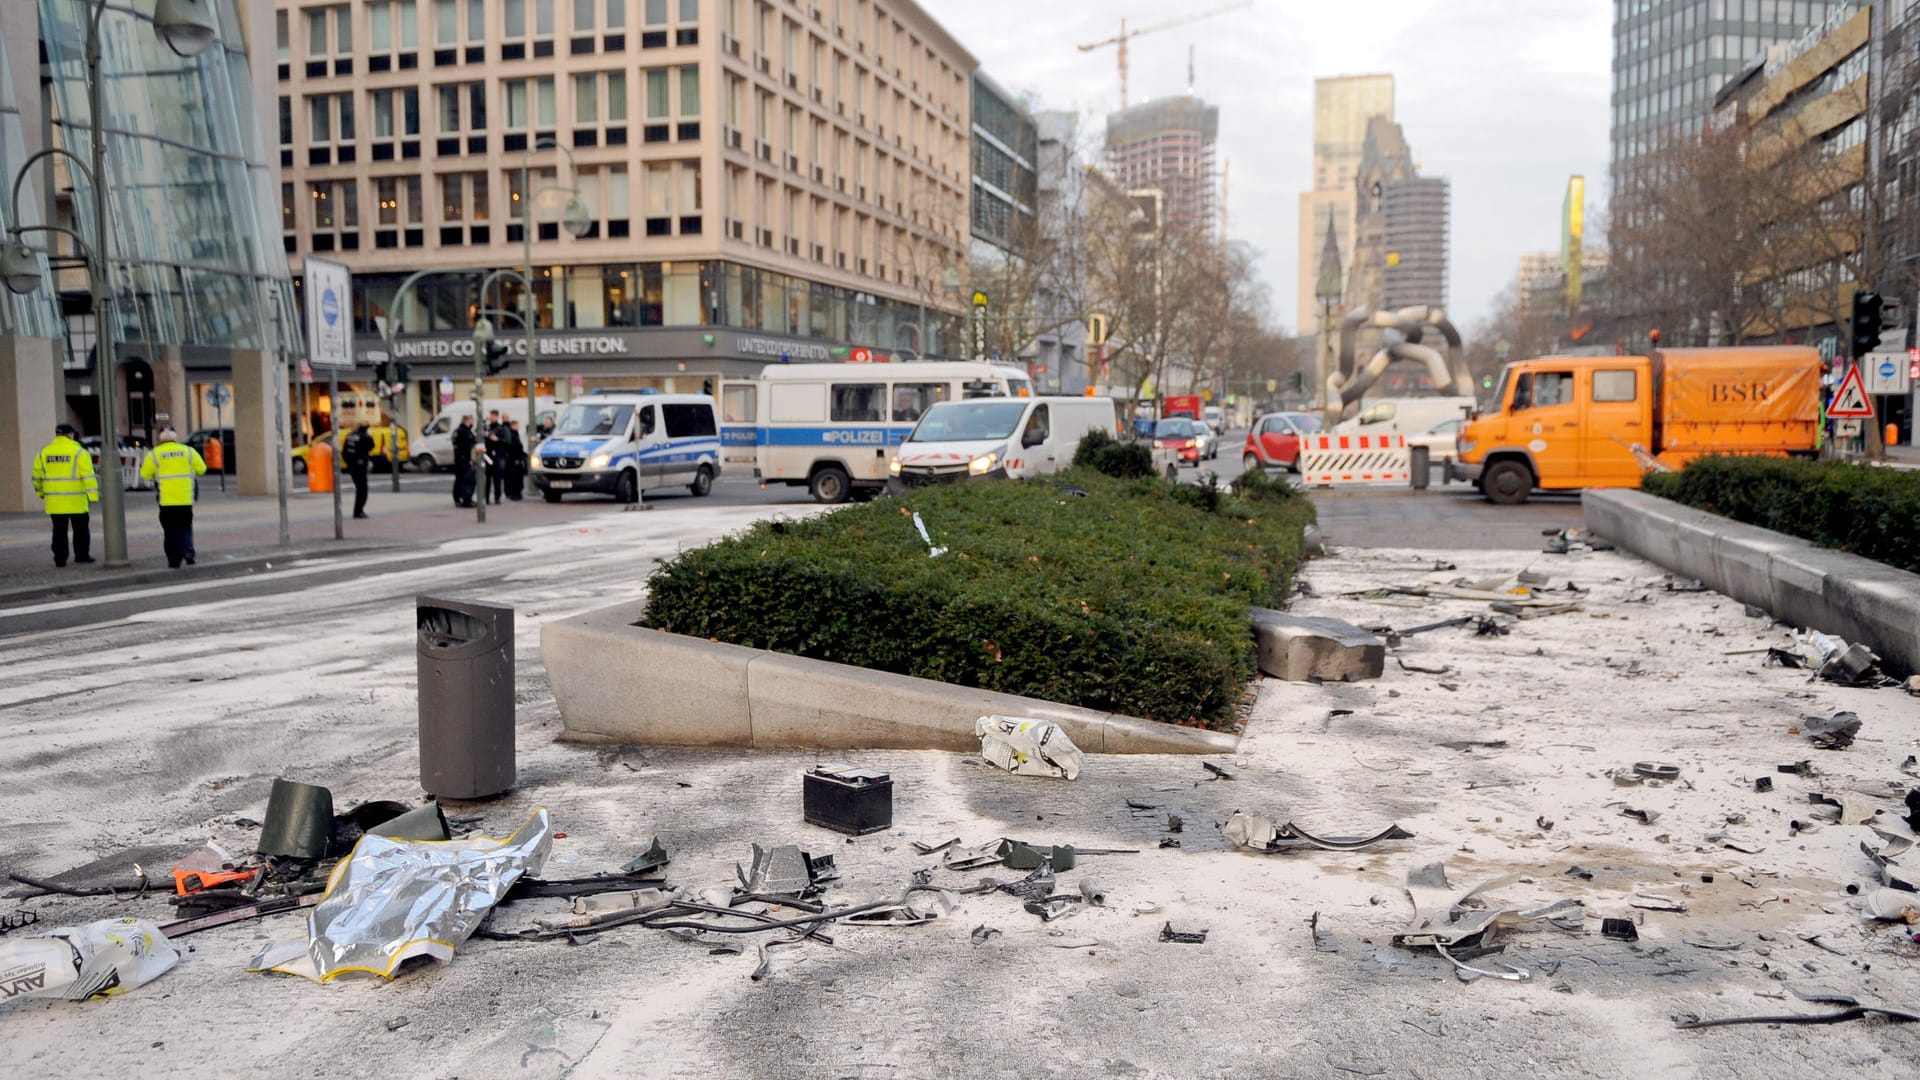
(1327, 288)
(187, 27)
(577, 221)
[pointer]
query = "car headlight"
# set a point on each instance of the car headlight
(599, 461)
(984, 464)
(893, 467)
(534, 459)
(1465, 445)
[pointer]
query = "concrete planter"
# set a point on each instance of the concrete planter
(617, 682)
(1831, 591)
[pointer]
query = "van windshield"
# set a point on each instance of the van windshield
(967, 421)
(600, 420)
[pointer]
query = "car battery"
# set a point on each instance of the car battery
(846, 799)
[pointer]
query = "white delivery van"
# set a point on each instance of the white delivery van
(434, 448)
(1409, 416)
(622, 443)
(830, 427)
(957, 440)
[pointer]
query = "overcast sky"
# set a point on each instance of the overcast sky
(1506, 98)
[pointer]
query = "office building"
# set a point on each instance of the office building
(1060, 361)
(1342, 106)
(1416, 230)
(200, 289)
(762, 181)
(1005, 143)
(1671, 57)
(1802, 111)
(1168, 145)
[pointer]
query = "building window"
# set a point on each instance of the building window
(464, 208)
(282, 47)
(400, 216)
(336, 215)
(446, 23)
(690, 91)
(288, 223)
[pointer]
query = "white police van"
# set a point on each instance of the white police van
(832, 427)
(624, 442)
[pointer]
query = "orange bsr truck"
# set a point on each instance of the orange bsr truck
(1561, 423)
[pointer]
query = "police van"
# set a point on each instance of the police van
(621, 443)
(831, 427)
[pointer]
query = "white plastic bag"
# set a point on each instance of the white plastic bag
(1027, 747)
(76, 963)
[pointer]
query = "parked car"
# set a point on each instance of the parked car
(1216, 418)
(1274, 440)
(133, 453)
(1179, 434)
(229, 459)
(1439, 439)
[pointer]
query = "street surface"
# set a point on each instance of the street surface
(159, 715)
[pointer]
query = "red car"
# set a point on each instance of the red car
(1179, 435)
(1274, 440)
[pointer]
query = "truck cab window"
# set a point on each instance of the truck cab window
(1523, 392)
(1552, 388)
(1614, 386)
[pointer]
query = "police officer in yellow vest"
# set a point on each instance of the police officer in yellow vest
(173, 466)
(63, 478)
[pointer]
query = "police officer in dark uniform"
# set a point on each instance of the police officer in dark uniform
(358, 452)
(463, 444)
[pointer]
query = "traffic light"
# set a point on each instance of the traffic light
(383, 372)
(1866, 321)
(402, 373)
(1299, 382)
(496, 357)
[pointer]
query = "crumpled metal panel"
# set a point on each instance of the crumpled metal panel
(392, 900)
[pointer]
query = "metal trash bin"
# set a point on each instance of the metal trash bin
(1420, 460)
(466, 698)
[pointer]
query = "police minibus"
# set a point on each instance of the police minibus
(625, 442)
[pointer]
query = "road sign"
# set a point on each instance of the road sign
(860, 356)
(329, 291)
(1851, 402)
(1886, 372)
(218, 396)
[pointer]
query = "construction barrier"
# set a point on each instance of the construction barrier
(1354, 459)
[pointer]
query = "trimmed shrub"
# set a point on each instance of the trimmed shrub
(1126, 599)
(1868, 511)
(1103, 453)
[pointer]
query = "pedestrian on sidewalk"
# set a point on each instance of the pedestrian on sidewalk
(464, 442)
(63, 478)
(516, 462)
(496, 457)
(173, 466)
(359, 457)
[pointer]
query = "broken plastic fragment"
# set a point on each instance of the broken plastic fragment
(1619, 929)
(1183, 937)
(1261, 834)
(651, 859)
(1833, 733)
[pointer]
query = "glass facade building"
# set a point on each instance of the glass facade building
(33, 315)
(1006, 144)
(1671, 57)
(194, 262)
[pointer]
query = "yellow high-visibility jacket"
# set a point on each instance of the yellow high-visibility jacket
(174, 465)
(63, 477)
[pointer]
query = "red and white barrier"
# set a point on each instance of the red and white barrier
(1354, 459)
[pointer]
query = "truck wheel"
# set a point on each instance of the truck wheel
(830, 485)
(628, 489)
(299, 466)
(702, 481)
(550, 496)
(1507, 483)
(423, 463)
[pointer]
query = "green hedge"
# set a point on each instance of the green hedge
(1127, 598)
(1871, 512)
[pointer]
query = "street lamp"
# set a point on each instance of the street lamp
(576, 219)
(187, 27)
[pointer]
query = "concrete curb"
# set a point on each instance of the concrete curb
(616, 682)
(1858, 599)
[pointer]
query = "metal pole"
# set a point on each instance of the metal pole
(479, 434)
(339, 445)
(526, 287)
(282, 463)
(113, 511)
(219, 425)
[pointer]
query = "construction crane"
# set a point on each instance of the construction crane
(1120, 40)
